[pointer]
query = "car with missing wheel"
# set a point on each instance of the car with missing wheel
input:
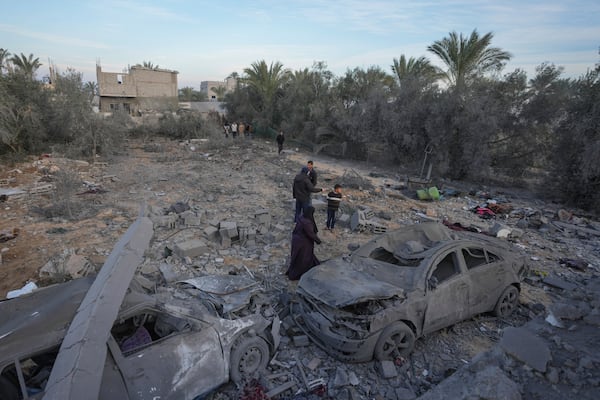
(405, 284)
(100, 338)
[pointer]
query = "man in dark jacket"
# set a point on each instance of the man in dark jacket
(302, 190)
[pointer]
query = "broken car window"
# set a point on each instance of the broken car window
(35, 370)
(384, 255)
(474, 257)
(446, 268)
(143, 329)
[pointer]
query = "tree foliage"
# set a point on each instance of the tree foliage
(467, 58)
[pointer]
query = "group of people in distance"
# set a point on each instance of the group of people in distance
(305, 232)
(234, 129)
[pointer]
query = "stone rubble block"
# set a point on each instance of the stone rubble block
(388, 369)
(301, 340)
(211, 233)
(191, 248)
(228, 229)
(190, 218)
(262, 217)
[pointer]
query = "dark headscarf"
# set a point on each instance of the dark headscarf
(309, 213)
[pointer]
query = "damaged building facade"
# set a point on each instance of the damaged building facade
(137, 90)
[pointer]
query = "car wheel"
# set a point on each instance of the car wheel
(507, 302)
(8, 391)
(250, 354)
(397, 340)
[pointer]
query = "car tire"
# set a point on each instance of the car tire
(396, 340)
(250, 354)
(507, 302)
(8, 391)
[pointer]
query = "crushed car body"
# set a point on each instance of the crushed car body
(404, 284)
(96, 338)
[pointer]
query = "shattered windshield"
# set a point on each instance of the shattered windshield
(384, 255)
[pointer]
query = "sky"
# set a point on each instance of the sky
(208, 40)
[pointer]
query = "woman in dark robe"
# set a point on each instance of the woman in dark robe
(303, 245)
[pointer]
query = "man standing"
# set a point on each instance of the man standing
(312, 174)
(280, 139)
(301, 190)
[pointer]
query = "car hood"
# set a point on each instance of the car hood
(345, 281)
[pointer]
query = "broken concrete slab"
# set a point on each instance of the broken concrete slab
(559, 283)
(191, 248)
(168, 272)
(490, 383)
(405, 394)
(526, 347)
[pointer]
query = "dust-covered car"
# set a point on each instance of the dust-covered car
(96, 338)
(405, 284)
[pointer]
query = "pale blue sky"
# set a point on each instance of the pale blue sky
(207, 40)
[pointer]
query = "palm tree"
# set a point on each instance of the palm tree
(266, 81)
(26, 65)
(468, 57)
(186, 93)
(219, 91)
(414, 69)
(147, 64)
(3, 58)
(91, 88)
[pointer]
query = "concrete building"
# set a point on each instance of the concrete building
(207, 87)
(137, 90)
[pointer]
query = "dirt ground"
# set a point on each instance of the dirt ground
(231, 181)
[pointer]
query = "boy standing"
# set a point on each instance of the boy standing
(333, 204)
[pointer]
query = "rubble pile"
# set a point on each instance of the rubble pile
(230, 212)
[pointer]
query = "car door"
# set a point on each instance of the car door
(487, 274)
(181, 365)
(447, 293)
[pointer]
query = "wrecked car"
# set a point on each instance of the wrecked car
(402, 285)
(97, 338)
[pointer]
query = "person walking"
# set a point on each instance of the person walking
(280, 139)
(301, 189)
(333, 204)
(234, 129)
(304, 238)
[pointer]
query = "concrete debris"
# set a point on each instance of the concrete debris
(489, 383)
(364, 220)
(526, 347)
(191, 248)
(67, 265)
(559, 283)
(301, 340)
(387, 369)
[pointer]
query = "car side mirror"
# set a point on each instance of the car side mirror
(432, 283)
